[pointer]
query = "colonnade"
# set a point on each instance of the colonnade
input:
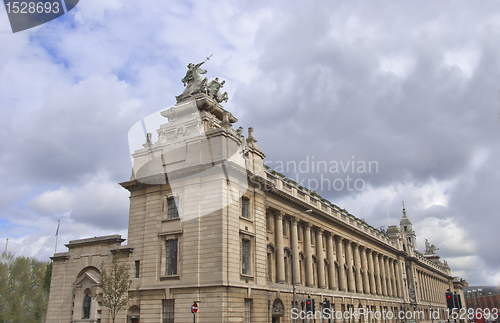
(351, 266)
(431, 288)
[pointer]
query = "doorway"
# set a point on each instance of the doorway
(133, 319)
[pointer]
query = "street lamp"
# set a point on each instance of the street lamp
(293, 259)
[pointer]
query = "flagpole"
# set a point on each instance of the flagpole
(57, 235)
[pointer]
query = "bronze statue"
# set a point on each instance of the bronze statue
(86, 306)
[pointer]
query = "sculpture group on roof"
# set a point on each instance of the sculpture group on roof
(195, 83)
(430, 249)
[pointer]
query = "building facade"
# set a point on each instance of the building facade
(209, 223)
(485, 299)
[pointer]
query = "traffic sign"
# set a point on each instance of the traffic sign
(194, 308)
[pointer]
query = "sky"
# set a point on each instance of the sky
(410, 88)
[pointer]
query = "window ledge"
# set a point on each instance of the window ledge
(243, 276)
(172, 219)
(246, 219)
(170, 277)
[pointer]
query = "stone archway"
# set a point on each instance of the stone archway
(278, 311)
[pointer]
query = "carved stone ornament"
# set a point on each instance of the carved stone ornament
(411, 292)
(278, 308)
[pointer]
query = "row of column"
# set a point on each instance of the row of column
(362, 270)
(431, 289)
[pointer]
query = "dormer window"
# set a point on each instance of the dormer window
(406, 228)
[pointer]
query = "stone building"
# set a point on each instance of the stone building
(208, 222)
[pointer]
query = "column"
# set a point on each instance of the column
(309, 259)
(321, 258)
(399, 277)
(382, 275)
(280, 252)
(340, 260)
(364, 267)
(388, 277)
(432, 288)
(425, 287)
(395, 279)
(331, 259)
(377, 273)
(429, 287)
(419, 288)
(357, 265)
(295, 250)
(350, 275)
(373, 287)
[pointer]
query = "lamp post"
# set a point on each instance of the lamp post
(293, 260)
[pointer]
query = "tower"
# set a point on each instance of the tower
(407, 229)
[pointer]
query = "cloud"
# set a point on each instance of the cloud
(100, 203)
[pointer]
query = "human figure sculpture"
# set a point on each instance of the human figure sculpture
(213, 90)
(86, 306)
(430, 249)
(213, 87)
(193, 81)
(219, 96)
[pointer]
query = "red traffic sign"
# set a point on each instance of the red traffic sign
(194, 308)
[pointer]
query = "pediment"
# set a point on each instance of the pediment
(94, 278)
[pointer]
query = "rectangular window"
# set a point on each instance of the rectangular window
(137, 268)
(245, 250)
(244, 207)
(248, 310)
(284, 228)
(171, 263)
(268, 222)
(172, 211)
(168, 310)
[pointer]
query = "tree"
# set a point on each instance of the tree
(22, 297)
(48, 277)
(115, 286)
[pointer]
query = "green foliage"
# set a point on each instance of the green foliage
(22, 296)
(47, 278)
(115, 285)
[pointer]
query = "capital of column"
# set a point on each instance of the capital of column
(338, 238)
(295, 220)
(308, 226)
(319, 231)
(281, 214)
